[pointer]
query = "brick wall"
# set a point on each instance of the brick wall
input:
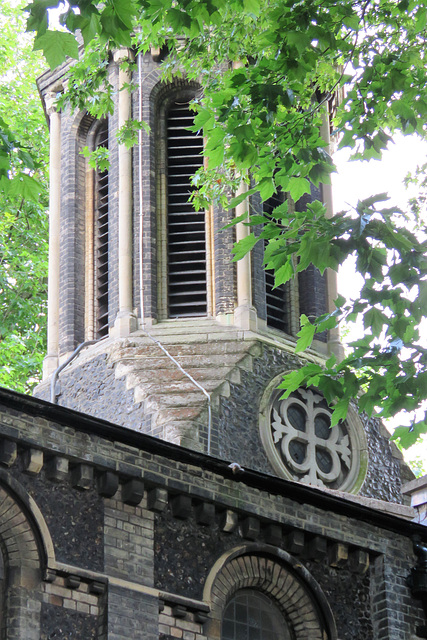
(167, 520)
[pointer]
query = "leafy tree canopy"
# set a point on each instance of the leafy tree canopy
(269, 69)
(23, 204)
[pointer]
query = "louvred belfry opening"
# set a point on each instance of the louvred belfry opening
(101, 239)
(277, 299)
(186, 234)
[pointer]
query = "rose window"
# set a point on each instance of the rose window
(310, 450)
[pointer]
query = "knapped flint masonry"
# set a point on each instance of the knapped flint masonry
(167, 491)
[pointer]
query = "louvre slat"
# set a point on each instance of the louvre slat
(101, 240)
(276, 298)
(186, 229)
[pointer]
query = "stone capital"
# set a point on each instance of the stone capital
(120, 55)
(51, 100)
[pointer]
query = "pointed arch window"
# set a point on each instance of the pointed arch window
(186, 229)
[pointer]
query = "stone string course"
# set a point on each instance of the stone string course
(147, 393)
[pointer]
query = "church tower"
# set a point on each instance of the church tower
(151, 324)
(246, 515)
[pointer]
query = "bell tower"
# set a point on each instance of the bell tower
(151, 324)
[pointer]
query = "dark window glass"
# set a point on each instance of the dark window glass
(251, 615)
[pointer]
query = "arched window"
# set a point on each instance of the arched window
(265, 594)
(278, 300)
(251, 615)
(100, 234)
(186, 234)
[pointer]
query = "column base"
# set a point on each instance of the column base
(246, 318)
(125, 324)
(50, 363)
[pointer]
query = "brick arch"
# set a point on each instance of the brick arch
(24, 537)
(28, 551)
(278, 575)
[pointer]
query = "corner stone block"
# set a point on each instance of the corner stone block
(107, 484)
(49, 575)
(133, 492)
(273, 534)
(338, 555)
(200, 617)
(181, 507)
(82, 476)
(57, 469)
(157, 499)
(33, 461)
(8, 452)
(250, 528)
(205, 513)
(358, 561)
(295, 542)
(96, 587)
(229, 521)
(317, 548)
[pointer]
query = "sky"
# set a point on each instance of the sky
(356, 180)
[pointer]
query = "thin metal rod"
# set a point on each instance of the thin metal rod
(55, 374)
(140, 192)
(196, 384)
(141, 271)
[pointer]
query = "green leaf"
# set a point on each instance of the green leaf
(57, 46)
(292, 381)
(236, 220)
(340, 411)
(243, 247)
(284, 273)
(26, 187)
(420, 20)
(375, 320)
(339, 301)
(252, 6)
(266, 188)
(240, 198)
(125, 11)
(305, 335)
(298, 187)
(407, 436)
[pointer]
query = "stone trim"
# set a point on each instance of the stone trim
(354, 481)
(23, 530)
(135, 491)
(279, 576)
(161, 97)
(27, 548)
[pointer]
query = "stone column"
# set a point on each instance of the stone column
(126, 321)
(245, 314)
(51, 360)
(334, 342)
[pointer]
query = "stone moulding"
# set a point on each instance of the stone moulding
(359, 463)
(278, 575)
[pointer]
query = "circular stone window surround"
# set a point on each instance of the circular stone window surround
(357, 472)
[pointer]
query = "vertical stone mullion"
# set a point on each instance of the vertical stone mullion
(51, 360)
(125, 321)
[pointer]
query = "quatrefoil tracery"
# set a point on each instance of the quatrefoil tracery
(311, 450)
